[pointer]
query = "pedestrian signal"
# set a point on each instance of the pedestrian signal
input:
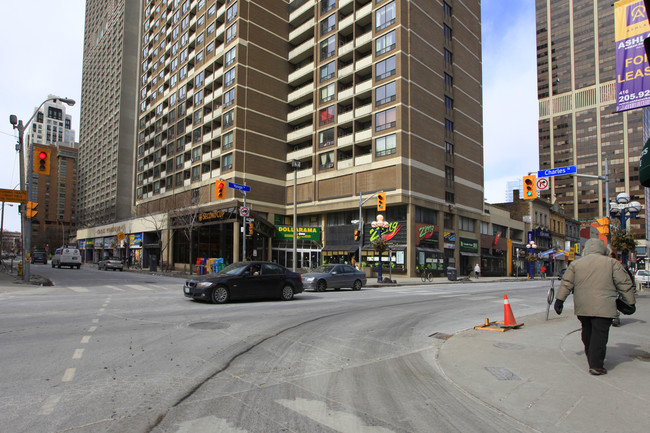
(357, 235)
(31, 209)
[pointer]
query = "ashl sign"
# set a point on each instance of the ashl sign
(558, 171)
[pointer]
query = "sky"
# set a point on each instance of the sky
(42, 41)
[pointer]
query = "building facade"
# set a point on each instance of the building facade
(578, 123)
(108, 99)
(337, 100)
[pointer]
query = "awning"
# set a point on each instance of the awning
(547, 252)
(463, 253)
(347, 248)
(428, 250)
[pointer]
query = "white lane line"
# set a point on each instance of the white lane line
(115, 288)
(85, 339)
(92, 329)
(141, 288)
(78, 354)
(95, 320)
(68, 376)
(49, 404)
(79, 289)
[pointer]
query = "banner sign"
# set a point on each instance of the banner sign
(306, 233)
(632, 70)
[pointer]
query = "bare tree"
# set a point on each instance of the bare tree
(159, 220)
(185, 217)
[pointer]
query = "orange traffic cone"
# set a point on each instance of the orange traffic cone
(509, 318)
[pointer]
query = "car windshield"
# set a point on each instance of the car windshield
(234, 269)
(324, 269)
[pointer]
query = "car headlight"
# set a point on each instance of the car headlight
(203, 285)
(308, 279)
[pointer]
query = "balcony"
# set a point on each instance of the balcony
(300, 133)
(347, 21)
(365, 135)
(304, 10)
(345, 141)
(303, 74)
(346, 94)
(301, 174)
(365, 110)
(366, 86)
(300, 34)
(346, 48)
(348, 163)
(300, 153)
(301, 93)
(344, 72)
(362, 40)
(346, 117)
(302, 113)
(361, 160)
(302, 51)
(363, 12)
(364, 63)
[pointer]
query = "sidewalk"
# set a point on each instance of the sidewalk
(538, 375)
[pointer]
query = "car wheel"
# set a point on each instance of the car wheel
(59, 266)
(357, 285)
(287, 293)
(322, 285)
(121, 269)
(52, 264)
(220, 295)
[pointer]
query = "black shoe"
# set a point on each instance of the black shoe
(597, 371)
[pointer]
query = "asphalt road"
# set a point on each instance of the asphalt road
(116, 352)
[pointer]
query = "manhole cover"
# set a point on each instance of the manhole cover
(441, 336)
(502, 373)
(209, 325)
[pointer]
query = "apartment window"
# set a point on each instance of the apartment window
(183, 57)
(385, 16)
(196, 135)
(173, 80)
(182, 109)
(201, 4)
(231, 32)
(175, 32)
(209, 48)
(198, 79)
(327, 47)
(326, 115)
(179, 179)
(210, 29)
(327, 93)
(449, 58)
(385, 94)
(199, 56)
(231, 12)
(198, 98)
(449, 104)
(211, 10)
(385, 43)
(449, 197)
(449, 128)
(386, 145)
(447, 32)
(201, 20)
(449, 152)
(196, 153)
(197, 117)
(179, 161)
(185, 23)
(227, 140)
(174, 64)
(226, 162)
(140, 179)
(231, 55)
(446, 9)
(449, 81)
(229, 119)
(449, 177)
(185, 39)
(328, 24)
(180, 127)
(171, 132)
(326, 160)
(196, 172)
(386, 119)
(229, 77)
(200, 38)
(186, 6)
(385, 68)
(326, 6)
(182, 93)
(326, 138)
(327, 71)
(183, 73)
(466, 224)
(228, 98)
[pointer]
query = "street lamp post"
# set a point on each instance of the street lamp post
(380, 224)
(531, 246)
(624, 209)
(296, 165)
(26, 222)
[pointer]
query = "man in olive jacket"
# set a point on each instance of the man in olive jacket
(595, 281)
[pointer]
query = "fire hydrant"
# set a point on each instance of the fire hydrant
(20, 269)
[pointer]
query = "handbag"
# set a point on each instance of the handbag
(624, 307)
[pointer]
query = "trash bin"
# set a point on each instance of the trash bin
(153, 262)
(451, 274)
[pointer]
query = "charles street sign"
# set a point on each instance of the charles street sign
(558, 171)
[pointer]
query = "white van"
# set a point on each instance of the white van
(66, 257)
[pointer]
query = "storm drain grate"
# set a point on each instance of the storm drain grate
(441, 336)
(502, 373)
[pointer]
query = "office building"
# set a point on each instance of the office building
(578, 124)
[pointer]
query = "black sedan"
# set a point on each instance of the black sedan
(245, 280)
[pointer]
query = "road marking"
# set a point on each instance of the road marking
(141, 288)
(95, 320)
(85, 339)
(49, 404)
(92, 329)
(78, 354)
(115, 288)
(79, 289)
(68, 376)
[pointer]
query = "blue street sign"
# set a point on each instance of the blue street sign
(558, 171)
(239, 187)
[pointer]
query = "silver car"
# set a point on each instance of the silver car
(334, 276)
(114, 263)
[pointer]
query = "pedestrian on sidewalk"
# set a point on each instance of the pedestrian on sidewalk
(595, 280)
(542, 270)
(477, 270)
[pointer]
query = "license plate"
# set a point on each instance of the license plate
(187, 290)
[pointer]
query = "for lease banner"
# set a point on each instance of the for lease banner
(632, 70)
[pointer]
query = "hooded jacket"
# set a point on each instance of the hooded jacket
(595, 281)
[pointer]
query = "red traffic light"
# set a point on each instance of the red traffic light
(220, 190)
(42, 155)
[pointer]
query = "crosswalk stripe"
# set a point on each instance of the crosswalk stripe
(79, 289)
(141, 288)
(115, 288)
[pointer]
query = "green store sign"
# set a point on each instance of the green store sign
(306, 233)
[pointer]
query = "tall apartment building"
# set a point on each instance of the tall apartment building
(342, 98)
(578, 124)
(56, 191)
(108, 99)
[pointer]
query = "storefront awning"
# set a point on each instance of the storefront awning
(463, 253)
(428, 250)
(348, 248)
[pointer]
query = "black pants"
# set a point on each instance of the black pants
(595, 332)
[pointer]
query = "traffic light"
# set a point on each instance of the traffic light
(220, 190)
(31, 209)
(41, 160)
(357, 235)
(250, 228)
(381, 201)
(530, 187)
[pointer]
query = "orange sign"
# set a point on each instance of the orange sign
(13, 196)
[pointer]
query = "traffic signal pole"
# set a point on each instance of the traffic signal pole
(361, 202)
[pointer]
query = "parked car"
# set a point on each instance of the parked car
(114, 263)
(39, 257)
(642, 277)
(245, 280)
(66, 257)
(334, 276)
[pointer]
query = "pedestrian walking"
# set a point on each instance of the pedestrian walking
(477, 270)
(542, 270)
(596, 281)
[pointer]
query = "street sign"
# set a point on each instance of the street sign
(558, 171)
(542, 183)
(239, 187)
(13, 196)
(244, 211)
